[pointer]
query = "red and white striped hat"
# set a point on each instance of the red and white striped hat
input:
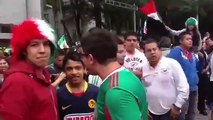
(29, 30)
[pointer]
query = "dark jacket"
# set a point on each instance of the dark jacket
(27, 95)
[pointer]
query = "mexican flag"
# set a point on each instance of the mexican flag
(62, 42)
(153, 25)
(150, 10)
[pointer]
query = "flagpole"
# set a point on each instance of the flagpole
(197, 15)
(134, 17)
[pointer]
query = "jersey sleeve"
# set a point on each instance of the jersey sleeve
(122, 105)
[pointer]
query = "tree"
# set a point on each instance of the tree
(80, 8)
(55, 4)
(175, 12)
(121, 19)
(75, 15)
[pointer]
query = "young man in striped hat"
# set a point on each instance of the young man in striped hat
(27, 93)
(121, 95)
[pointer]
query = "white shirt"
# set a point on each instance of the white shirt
(135, 61)
(165, 85)
(95, 80)
(211, 67)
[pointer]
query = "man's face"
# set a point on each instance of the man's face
(207, 44)
(59, 60)
(131, 43)
(152, 52)
(186, 41)
(38, 52)
(121, 53)
(3, 65)
(204, 46)
(88, 62)
(74, 71)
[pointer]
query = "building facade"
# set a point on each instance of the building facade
(13, 12)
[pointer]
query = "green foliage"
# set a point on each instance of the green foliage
(174, 12)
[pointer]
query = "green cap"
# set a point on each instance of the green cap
(191, 21)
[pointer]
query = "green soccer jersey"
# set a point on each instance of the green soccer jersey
(121, 97)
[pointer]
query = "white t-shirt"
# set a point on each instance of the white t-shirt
(211, 67)
(135, 61)
(95, 80)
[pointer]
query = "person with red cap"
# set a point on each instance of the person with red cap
(27, 93)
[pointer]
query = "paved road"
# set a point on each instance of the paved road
(201, 117)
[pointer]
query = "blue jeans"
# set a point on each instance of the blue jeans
(161, 117)
(188, 109)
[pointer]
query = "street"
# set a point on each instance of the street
(200, 117)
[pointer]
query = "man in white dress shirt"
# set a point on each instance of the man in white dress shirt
(165, 82)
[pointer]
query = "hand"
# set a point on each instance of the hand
(204, 71)
(175, 113)
(54, 76)
(205, 38)
(129, 69)
(61, 76)
(200, 55)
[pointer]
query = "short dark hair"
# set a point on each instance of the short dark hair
(119, 41)
(59, 52)
(165, 42)
(151, 40)
(131, 34)
(94, 29)
(101, 44)
(182, 35)
(4, 58)
(72, 55)
(141, 44)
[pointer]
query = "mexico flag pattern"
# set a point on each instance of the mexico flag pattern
(149, 9)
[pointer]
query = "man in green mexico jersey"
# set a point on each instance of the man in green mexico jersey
(122, 95)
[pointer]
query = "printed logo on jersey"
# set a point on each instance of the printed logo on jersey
(91, 103)
(133, 64)
(80, 116)
(135, 59)
(164, 70)
(65, 107)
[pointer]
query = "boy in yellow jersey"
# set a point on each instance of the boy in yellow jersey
(77, 98)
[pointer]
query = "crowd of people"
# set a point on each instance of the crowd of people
(109, 77)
